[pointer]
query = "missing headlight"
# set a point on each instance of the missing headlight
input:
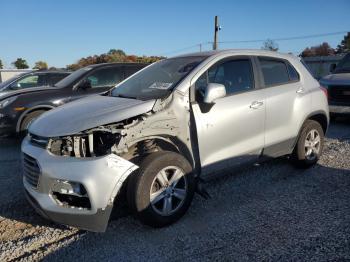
(98, 143)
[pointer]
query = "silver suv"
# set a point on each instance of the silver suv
(150, 139)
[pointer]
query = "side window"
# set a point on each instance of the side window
(236, 75)
(293, 74)
(106, 77)
(54, 78)
(26, 82)
(274, 71)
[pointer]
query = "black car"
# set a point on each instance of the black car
(33, 79)
(338, 86)
(19, 108)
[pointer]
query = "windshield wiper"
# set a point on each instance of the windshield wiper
(124, 96)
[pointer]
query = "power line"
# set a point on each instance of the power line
(199, 45)
(285, 38)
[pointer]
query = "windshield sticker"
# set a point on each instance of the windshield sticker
(161, 86)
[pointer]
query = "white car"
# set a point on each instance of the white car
(156, 133)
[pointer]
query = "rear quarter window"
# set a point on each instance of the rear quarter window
(293, 74)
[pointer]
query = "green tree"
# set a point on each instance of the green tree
(20, 63)
(116, 51)
(344, 45)
(113, 55)
(271, 45)
(41, 65)
(1, 65)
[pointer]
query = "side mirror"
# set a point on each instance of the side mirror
(332, 67)
(85, 84)
(214, 91)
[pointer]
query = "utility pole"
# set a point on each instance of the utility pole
(200, 47)
(216, 30)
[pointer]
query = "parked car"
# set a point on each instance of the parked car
(19, 108)
(338, 86)
(155, 134)
(33, 79)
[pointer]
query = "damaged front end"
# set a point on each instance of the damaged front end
(80, 175)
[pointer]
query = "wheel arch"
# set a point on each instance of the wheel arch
(151, 144)
(30, 110)
(319, 116)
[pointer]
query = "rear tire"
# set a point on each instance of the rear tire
(29, 118)
(161, 190)
(309, 146)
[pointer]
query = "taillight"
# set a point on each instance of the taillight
(325, 90)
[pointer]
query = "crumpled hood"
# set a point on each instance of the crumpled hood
(9, 93)
(87, 113)
(336, 79)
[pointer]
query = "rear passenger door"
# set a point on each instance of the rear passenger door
(231, 131)
(283, 97)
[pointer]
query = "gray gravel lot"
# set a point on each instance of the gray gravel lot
(267, 212)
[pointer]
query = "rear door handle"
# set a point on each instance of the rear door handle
(256, 104)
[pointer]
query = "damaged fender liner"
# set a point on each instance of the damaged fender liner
(96, 223)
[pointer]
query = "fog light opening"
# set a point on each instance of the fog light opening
(70, 195)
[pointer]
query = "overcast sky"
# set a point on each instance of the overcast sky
(61, 32)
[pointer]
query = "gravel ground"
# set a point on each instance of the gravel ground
(267, 212)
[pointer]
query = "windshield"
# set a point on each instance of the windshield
(73, 77)
(157, 80)
(344, 65)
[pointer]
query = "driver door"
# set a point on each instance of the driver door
(231, 130)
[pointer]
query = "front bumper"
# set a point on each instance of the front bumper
(102, 178)
(7, 125)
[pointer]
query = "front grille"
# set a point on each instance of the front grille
(339, 93)
(31, 170)
(38, 141)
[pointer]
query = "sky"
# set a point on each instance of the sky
(61, 32)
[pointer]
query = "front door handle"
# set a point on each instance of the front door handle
(256, 104)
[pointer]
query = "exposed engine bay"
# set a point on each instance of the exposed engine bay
(129, 138)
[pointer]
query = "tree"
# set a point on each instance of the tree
(41, 65)
(116, 51)
(271, 45)
(1, 65)
(323, 49)
(113, 55)
(344, 45)
(20, 63)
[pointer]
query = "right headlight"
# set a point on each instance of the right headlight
(7, 101)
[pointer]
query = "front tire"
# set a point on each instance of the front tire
(162, 189)
(28, 119)
(309, 146)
